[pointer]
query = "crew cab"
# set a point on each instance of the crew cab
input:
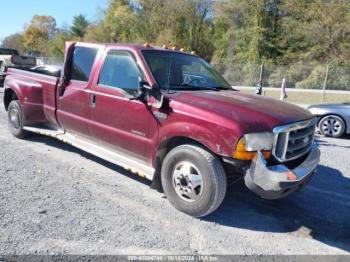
(168, 116)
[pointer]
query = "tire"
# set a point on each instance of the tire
(194, 180)
(331, 126)
(15, 120)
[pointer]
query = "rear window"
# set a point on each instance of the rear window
(83, 60)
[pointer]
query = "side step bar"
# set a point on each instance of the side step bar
(127, 162)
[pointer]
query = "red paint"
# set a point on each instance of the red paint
(215, 119)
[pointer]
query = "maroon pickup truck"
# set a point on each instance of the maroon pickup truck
(168, 116)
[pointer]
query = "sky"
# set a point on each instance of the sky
(16, 13)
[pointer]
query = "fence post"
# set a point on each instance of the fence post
(261, 74)
(283, 90)
(325, 84)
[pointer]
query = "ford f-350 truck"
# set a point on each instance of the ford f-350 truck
(168, 116)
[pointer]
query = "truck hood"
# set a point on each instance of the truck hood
(250, 111)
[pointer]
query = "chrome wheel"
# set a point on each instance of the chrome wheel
(332, 126)
(187, 181)
(14, 118)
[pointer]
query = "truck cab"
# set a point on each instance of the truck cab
(168, 116)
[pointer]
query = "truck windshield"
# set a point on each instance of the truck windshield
(176, 71)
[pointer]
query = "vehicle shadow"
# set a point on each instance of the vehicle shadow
(321, 210)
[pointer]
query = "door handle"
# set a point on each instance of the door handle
(92, 100)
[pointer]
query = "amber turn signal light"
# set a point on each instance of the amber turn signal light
(242, 154)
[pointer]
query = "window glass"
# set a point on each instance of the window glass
(121, 71)
(179, 71)
(83, 60)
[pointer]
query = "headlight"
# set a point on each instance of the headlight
(249, 144)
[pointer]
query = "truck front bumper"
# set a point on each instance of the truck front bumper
(274, 182)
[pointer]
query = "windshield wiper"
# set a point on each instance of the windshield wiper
(201, 87)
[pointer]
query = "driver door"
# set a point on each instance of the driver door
(116, 119)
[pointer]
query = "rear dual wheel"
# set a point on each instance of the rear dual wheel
(193, 180)
(15, 119)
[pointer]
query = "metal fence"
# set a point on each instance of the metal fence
(296, 75)
(301, 76)
(304, 84)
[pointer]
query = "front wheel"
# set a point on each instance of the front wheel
(15, 119)
(193, 180)
(331, 126)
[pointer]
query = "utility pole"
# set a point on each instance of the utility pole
(259, 87)
(325, 84)
(261, 75)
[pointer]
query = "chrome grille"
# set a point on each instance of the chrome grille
(294, 140)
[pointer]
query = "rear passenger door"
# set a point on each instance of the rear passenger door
(116, 119)
(73, 105)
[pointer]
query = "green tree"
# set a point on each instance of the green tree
(249, 30)
(181, 23)
(79, 26)
(56, 46)
(14, 41)
(119, 24)
(316, 30)
(38, 33)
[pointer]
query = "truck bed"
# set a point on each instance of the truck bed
(37, 93)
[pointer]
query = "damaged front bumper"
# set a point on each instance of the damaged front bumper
(274, 182)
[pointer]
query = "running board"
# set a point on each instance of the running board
(127, 162)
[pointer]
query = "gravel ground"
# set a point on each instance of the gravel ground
(55, 199)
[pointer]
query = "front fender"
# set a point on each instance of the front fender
(321, 111)
(218, 139)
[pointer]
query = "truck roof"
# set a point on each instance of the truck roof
(140, 47)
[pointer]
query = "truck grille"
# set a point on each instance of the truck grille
(294, 140)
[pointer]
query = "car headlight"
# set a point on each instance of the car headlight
(249, 144)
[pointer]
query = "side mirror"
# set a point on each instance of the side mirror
(149, 94)
(156, 97)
